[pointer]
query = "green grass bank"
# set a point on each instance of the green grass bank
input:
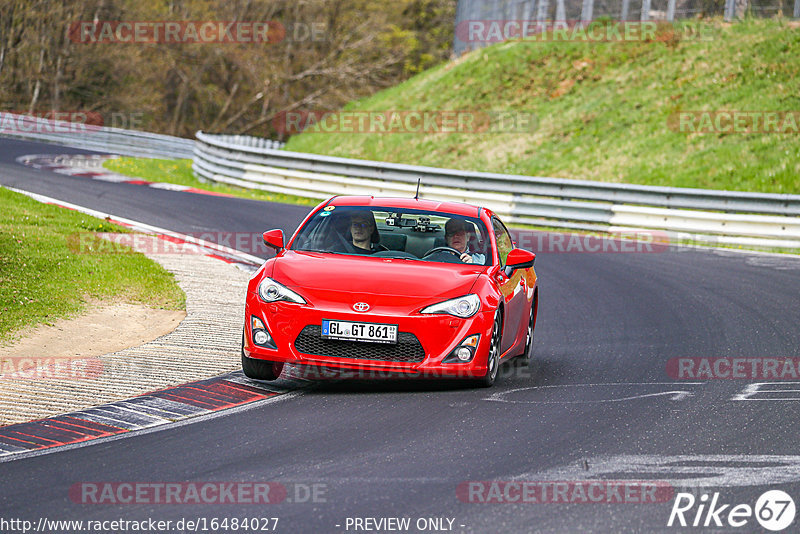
(607, 110)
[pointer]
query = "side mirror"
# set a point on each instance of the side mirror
(519, 259)
(274, 239)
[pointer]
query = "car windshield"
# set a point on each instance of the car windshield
(396, 233)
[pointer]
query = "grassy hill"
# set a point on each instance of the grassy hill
(604, 110)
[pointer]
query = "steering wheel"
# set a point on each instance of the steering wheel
(451, 250)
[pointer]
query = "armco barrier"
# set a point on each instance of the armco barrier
(730, 217)
(100, 138)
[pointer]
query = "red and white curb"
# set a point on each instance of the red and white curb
(166, 406)
(154, 409)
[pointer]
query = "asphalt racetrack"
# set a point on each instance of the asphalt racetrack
(602, 403)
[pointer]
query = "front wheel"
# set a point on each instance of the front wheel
(527, 356)
(260, 369)
(493, 360)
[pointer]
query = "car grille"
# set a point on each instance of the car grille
(407, 349)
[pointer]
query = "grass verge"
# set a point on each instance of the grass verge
(42, 278)
(179, 171)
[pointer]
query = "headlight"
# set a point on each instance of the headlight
(271, 291)
(463, 307)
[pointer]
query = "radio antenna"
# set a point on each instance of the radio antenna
(416, 197)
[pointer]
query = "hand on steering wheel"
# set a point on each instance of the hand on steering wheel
(451, 250)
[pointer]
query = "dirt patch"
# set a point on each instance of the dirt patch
(563, 88)
(104, 328)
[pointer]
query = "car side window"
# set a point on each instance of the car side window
(504, 242)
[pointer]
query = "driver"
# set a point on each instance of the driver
(365, 234)
(456, 232)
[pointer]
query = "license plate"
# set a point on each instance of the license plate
(350, 331)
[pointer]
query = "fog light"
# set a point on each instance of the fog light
(465, 351)
(261, 337)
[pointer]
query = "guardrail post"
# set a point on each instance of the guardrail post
(561, 13)
(671, 10)
(626, 5)
(796, 9)
(730, 6)
(587, 11)
(475, 14)
(541, 13)
(645, 10)
(526, 16)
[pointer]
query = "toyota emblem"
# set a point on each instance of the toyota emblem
(360, 306)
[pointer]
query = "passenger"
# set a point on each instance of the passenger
(364, 232)
(456, 232)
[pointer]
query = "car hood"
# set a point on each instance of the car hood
(377, 276)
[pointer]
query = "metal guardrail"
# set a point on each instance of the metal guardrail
(731, 217)
(751, 219)
(100, 138)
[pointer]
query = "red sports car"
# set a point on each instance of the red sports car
(406, 286)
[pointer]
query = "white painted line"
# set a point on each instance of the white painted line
(169, 187)
(6, 449)
(105, 418)
(142, 419)
(709, 470)
(169, 409)
(674, 395)
(764, 388)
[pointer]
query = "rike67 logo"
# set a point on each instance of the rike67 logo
(774, 510)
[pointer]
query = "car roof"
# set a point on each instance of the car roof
(454, 208)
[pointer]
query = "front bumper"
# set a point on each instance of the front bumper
(423, 340)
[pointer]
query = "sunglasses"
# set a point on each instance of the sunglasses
(360, 224)
(450, 234)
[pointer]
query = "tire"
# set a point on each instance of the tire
(493, 359)
(527, 356)
(260, 369)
